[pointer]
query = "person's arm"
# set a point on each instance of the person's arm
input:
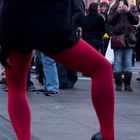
(133, 15)
(112, 18)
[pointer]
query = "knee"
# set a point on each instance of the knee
(102, 70)
(108, 67)
(105, 69)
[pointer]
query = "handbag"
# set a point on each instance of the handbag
(118, 41)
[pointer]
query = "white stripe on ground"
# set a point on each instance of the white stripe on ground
(84, 78)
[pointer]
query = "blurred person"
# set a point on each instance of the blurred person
(122, 17)
(48, 26)
(104, 7)
(68, 77)
(93, 27)
(50, 78)
(39, 67)
(30, 84)
(2, 75)
(137, 49)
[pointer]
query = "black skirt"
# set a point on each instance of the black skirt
(38, 24)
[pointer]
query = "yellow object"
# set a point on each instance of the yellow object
(106, 36)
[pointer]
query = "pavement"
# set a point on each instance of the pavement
(70, 116)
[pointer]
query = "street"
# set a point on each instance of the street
(70, 115)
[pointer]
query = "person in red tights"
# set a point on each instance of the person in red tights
(47, 25)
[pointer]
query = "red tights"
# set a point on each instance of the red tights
(81, 57)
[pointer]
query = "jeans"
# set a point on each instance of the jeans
(123, 60)
(50, 73)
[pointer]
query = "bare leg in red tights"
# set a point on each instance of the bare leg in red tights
(18, 108)
(84, 58)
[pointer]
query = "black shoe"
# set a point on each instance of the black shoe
(67, 86)
(5, 89)
(41, 91)
(97, 136)
(47, 92)
(138, 79)
(118, 88)
(3, 81)
(31, 88)
(51, 93)
(128, 88)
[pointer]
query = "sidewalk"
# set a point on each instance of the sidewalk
(70, 116)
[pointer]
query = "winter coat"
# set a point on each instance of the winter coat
(124, 23)
(45, 25)
(137, 49)
(93, 28)
(78, 11)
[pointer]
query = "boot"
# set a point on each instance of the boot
(127, 81)
(97, 136)
(118, 81)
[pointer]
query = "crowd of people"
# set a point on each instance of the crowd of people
(66, 38)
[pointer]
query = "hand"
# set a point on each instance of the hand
(4, 54)
(119, 9)
(124, 8)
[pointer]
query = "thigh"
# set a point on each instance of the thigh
(82, 57)
(118, 55)
(128, 60)
(118, 60)
(128, 55)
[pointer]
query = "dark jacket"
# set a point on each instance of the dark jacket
(124, 23)
(93, 28)
(46, 25)
(78, 11)
(138, 45)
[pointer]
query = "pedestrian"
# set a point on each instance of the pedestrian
(39, 67)
(104, 7)
(30, 84)
(138, 38)
(122, 17)
(93, 27)
(68, 77)
(2, 75)
(48, 26)
(50, 79)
